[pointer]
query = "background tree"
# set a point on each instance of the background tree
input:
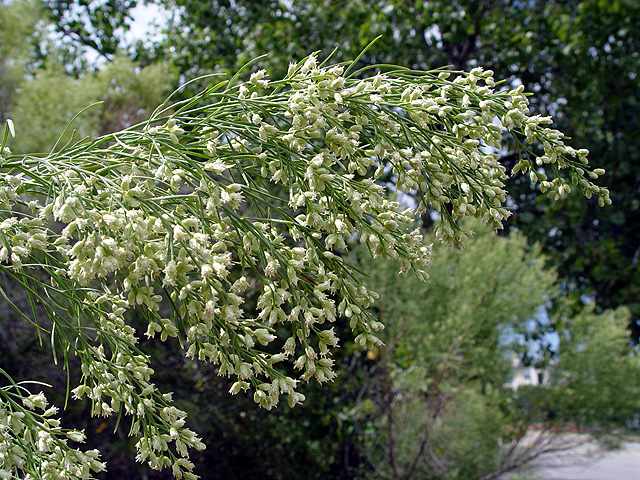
(128, 95)
(440, 388)
(590, 389)
(442, 406)
(128, 92)
(17, 26)
(95, 25)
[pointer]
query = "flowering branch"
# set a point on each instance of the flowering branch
(251, 186)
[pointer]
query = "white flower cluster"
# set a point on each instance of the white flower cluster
(256, 189)
(123, 381)
(34, 446)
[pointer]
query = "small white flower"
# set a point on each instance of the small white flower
(206, 270)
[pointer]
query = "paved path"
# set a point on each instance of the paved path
(589, 462)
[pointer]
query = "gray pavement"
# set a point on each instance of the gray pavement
(588, 462)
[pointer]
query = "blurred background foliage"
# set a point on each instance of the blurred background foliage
(558, 289)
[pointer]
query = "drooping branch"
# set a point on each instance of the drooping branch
(258, 186)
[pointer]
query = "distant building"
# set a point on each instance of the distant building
(525, 376)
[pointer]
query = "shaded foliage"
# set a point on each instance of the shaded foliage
(95, 24)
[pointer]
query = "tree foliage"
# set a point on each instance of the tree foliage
(591, 387)
(98, 25)
(17, 25)
(442, 408)
(440, 403)
(128, 95)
